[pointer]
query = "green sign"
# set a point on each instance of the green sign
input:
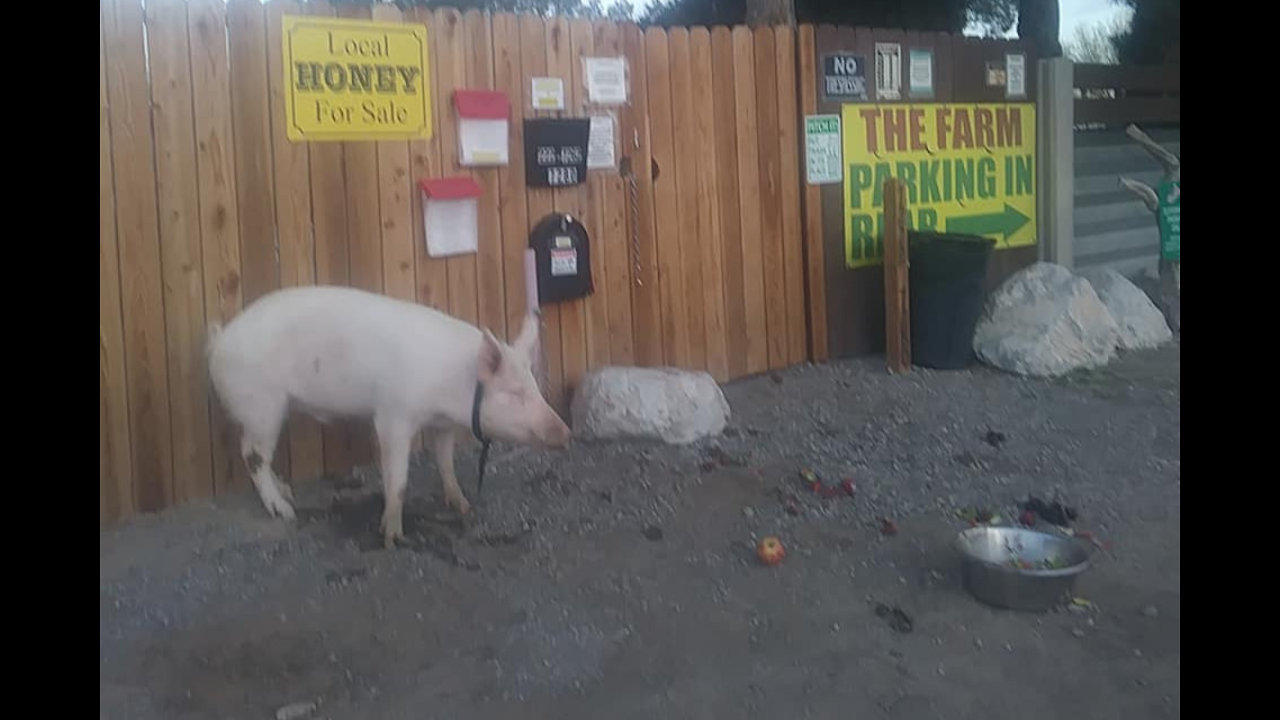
(1168, 216)
(823, 163)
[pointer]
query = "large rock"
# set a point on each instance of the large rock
(1045, 321)
(665, 404)
(1140, 322)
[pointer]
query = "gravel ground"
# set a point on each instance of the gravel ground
(618, 580)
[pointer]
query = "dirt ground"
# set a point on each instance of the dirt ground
(618, 580)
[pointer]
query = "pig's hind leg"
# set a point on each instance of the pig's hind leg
(261, 418)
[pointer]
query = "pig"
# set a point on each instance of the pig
(341, 352)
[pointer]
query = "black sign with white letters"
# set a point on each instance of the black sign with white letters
(844, 77)
(555, 151)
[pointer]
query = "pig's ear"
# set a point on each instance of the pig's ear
(527, 343)
(490, 359)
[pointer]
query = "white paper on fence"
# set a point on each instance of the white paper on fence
(600, 143)
(450, 226)
(548, 93)
(530, 278)
(1015, 73)
(482, 142)
(606, 80)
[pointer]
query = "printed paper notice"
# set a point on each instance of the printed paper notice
(921, 72)
(548, 93)
(600, 143)
(823, 161)
(888, 71)
(606, 80)
(1015, 71)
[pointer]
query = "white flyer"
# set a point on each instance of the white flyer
(606, 80)
(600, 153)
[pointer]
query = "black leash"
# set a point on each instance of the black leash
(479, 434)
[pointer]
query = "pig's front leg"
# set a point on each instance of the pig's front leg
(395, 440)
(442, 447)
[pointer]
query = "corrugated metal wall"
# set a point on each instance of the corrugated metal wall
(1112, 227)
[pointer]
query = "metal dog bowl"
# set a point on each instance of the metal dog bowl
(1019, 569)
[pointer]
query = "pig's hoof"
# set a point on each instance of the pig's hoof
(390, 540)
(281, 508)
(459, 503)
(286, 490)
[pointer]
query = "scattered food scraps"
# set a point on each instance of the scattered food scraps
(1054, 513)
(653, 533)
(898, 619)
(888, 527)
(770, 551)
(994, 439)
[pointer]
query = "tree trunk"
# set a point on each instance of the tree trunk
(1038, 21)
(771, 12)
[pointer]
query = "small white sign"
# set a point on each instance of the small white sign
(451, 226)
(564, 262)
(548, 93)
(600, 143)
(921, 72)
(606, 80)
(482, 142)
(1015, 73)
(824, 163)
(888, 71)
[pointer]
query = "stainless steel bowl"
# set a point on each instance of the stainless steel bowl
(990, 557)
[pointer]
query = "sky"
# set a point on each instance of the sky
(1072, 14)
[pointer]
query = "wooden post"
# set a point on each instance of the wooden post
(897, 306)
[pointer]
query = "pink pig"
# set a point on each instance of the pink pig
(341, 352)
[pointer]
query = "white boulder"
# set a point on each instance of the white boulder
(675, 406)
(1140, 322)
(1045, 321)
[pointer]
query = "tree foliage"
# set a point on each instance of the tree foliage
(1154, 34)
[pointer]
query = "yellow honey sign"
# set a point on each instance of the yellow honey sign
(967, 168)
(356, 80)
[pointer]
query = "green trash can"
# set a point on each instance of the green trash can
(947, 277)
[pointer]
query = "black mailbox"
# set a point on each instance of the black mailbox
(562, 253)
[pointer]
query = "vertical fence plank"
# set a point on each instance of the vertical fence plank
(364, 240)
(139, 238)
(115, 468)
(251, 121)
(673, 316)
(563, 60)
(685, 181)
(432, 273)
(792, 237)
(775, 308)
(610, 200)
(815, 262)
(642, 256)
(509, 78)
(451, 71)
(333, 267)
(490, 287)
(540, 202)
(219, 205)
(303, 443)
(744, 80)
(395, 190)
(711, 285)
(595, 306)
(728, 208)
(179, 209)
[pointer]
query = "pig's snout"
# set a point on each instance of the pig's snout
(556, 433)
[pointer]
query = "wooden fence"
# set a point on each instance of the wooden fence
(205, 206)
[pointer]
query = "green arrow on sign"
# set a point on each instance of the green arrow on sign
(1003, 223)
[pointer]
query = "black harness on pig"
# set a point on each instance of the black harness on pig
(479, 434)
